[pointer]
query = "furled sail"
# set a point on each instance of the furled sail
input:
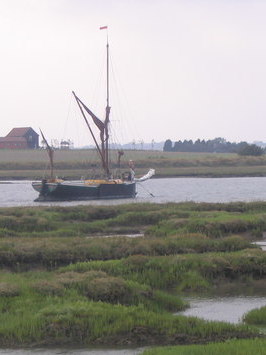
(50, 151)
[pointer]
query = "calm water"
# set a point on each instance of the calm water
(20, 193)
(261, 244)
(226, 309)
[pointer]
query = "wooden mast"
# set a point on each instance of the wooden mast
(108, 108)
(50, 152)
(103, 145)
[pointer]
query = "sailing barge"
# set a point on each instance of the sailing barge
(54, 189)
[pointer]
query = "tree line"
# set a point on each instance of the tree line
(217, 145)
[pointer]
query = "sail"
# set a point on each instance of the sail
(50, 154)
(149, 174)
(96, 120)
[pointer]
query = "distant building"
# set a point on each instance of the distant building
(66, 145)
(20, 138)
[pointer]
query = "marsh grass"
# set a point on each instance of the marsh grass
(213, 220)
(256, 317)
(91, 285)
(99, 286)
(40, 315)
(113, 290)
(48, 288)
(9, 290)
(51, 252)
(215, 224)
(164, 272)
(231, 347)
(193, 281)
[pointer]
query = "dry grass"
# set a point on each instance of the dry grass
(33, 164)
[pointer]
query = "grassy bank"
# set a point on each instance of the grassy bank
(233, 347)
(33, 164)
(71, 275)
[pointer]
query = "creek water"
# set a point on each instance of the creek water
(21, 193)
(225, 308)
(261, 244)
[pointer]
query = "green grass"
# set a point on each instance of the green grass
(214, 220)
(256, 317)
(55, 251)
(53, 236)
(168, 271)
(88, 309)
(62, 283)
(232, 347)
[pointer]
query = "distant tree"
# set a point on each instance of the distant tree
(216, 145)
(251, 149)
(168, 146)
(177, 146)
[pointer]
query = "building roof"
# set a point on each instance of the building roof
(19, 132)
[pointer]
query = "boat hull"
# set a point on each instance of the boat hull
(53, 191)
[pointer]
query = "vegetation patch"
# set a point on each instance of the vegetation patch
(256, 317)
(9, 290)
(72, 275)
(230, 347)
(165, 272)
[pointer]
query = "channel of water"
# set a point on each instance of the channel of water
(223, 309)
(21, 193)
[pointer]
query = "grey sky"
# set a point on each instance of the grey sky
(182, 69)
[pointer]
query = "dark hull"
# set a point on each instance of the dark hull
(69, 192)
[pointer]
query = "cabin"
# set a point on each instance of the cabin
(20, 138)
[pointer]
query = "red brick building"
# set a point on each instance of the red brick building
(20, 138)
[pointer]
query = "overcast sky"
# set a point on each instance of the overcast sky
(180, 69)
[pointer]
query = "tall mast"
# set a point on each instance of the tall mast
(107, 110)
(103, 147)
(107, 73)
